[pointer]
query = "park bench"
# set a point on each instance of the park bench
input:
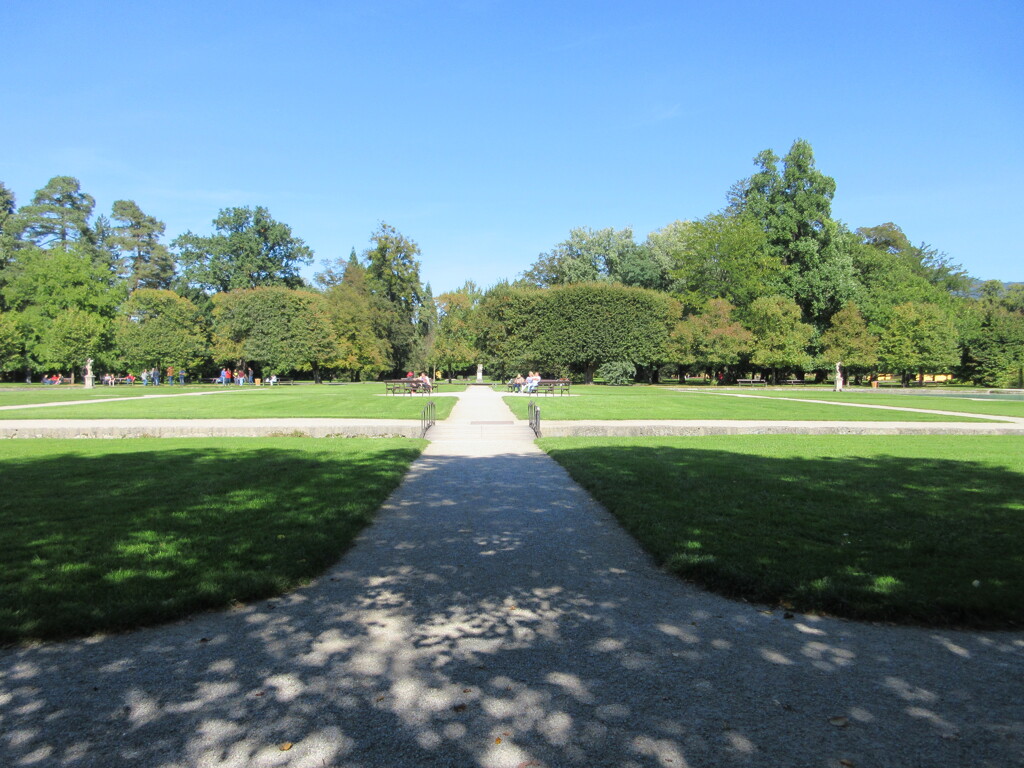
(408, 387)
(795, 381)
(550, 386)
(752, 382)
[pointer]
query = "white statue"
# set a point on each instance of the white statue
(88, 366)
(479, 371)
(839, 377)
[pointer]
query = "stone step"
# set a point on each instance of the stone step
(480, 431)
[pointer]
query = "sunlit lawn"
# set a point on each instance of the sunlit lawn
(941, 402)
(107, 535)
(644, 402)
(364, 400)
(905, 528)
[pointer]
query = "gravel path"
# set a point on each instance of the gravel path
(496, 616)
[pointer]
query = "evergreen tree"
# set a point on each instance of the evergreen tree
(147, 263)
(57, 216)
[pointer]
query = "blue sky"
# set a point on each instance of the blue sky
(486, 130)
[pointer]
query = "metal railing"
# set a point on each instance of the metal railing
(427, 418)
(534, 411)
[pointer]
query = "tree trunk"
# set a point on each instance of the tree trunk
(588, 374)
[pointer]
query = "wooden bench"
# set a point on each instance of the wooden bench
(550, 386)
(795, 381)
(752, 382)
(408, 387)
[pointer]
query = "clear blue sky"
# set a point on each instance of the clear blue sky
(487, 130)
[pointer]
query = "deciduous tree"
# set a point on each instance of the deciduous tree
(712, 339)
(248, 249)
(849, 341)
(160, 328)
(279, 328)
(780, 338)
(919, 338)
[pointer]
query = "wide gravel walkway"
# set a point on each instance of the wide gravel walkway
(495, 616)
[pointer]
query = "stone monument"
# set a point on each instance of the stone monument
(839, 377)
(89, 378)
(480, 373)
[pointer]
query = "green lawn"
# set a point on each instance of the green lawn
(935, 402)
(908, 529)
(107, 535)
(644, 402)
(363, 400)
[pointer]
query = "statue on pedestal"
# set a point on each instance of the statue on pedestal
(839, 377)
(88, 373)
(480, 372)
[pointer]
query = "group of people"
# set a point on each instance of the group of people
(152, 376)
(238, 376)
(55, 379)
(527, 384)
(423, 379)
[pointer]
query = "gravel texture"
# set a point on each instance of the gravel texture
(496, 616)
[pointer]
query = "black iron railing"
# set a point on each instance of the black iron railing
(534, 411)
(427, 418)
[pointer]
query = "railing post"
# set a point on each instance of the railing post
(534, 413)
(427, 417)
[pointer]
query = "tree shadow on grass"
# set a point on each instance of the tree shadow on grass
(98, 541)
(494, 617)
(920, 540)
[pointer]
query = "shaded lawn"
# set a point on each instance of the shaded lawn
(364, 400)
(108, 535)
(889, 528)
(645, 402)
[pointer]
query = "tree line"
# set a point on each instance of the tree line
(772, 284)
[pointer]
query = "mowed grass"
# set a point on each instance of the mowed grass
(656, 403)
(109, 535)
(365, 400)
(976, 404)
(906, 529)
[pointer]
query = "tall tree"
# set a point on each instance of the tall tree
(794, 206)
(7, 208)
(923, 260)
(249, 249)
(393, 273)
(357, 318)
(718, 257)
(58, 214)
(589, 255)
(147, 262)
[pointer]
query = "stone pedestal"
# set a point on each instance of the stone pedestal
(89, 380)
(479, 372)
